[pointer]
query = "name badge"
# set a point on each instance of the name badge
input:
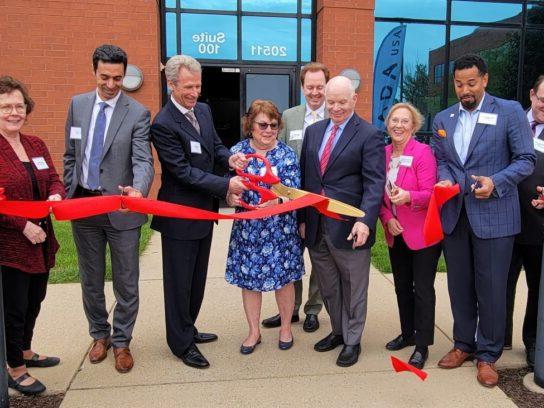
(195, 147)
(538, 144)
(40, 163)
(487, 118)
(263, 171)
(406, 161)
(295, 134)
(75, 133)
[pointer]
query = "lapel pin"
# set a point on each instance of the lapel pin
(452, 115)
(441, 133)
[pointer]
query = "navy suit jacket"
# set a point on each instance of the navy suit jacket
(188, 176)
(354, 174)
(503, 151)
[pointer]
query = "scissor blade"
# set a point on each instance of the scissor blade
(333, 205)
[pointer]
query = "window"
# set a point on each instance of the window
(267, 6)
(433, 9)
(269, 39)
(481, 12)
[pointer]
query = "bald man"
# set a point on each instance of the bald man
(342, 158)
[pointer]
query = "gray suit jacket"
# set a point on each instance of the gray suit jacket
(293, 120)
(127, 158)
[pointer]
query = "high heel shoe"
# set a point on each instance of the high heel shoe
(249, 349)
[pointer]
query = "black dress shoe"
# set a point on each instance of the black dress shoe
(249, 349)
(194, 358)
(348, 356)
(33, 389)
(399, 342)
(418, 358)
(275, 321)
(329, 343)
(46, 362)
(204, 338)
(311, 323)
(530, 357)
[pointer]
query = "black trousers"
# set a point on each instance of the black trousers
(184, 267)
(23, 296)
(530, 257)
(414, 273)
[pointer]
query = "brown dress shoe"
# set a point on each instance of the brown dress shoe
(455, 358)
(123, 359)
(487, 374)
(99, 350)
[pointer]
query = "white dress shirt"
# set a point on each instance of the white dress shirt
(539, 127)
(108, 112)
(309, 118)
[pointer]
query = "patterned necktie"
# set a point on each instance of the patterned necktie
(192, 118)
(325, 156)
(314, 116)
(93, 176)
(533, 127)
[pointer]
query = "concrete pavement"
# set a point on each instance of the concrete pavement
(268, 377)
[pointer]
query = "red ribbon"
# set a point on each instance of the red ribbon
(432, 229)
(87, 207)
(399, 365)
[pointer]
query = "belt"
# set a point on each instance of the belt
(85, 192)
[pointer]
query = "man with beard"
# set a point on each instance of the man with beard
(485, 145)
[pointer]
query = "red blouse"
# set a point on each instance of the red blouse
(15, 249)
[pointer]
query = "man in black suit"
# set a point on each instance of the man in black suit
(189, 151)
(342, 158)
(528, 244)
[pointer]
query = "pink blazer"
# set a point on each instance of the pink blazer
(419, 180)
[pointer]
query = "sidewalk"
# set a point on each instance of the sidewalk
(269, 377)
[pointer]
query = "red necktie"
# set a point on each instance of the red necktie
(327, 150)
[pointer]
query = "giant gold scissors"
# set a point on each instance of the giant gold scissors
(277, 189)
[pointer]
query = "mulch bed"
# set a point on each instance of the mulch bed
(40, 401)
(511, 383)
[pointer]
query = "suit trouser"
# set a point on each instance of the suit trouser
(530, 257)
(414, 273)
(314, 304)
(342, 275)
(477, 277)
(184, 268)
(91, 236)
(23, 295)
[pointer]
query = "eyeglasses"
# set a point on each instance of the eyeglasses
(7, 109)
(264, 125)
(403, 122)
(539, 98)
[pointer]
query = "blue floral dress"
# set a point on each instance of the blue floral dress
(266, 254)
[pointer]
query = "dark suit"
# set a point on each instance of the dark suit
(355, 175)
(479, 232)
(527, 253)
(187, 178)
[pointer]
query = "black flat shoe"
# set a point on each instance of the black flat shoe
(194, 358)
(33, 389)
(418, 358)
(349, 355)
(275, 321)
(46, 362)
(311, 323)
(399, 342)
(249, 349)
(285, 345)
(329, 343)
(204, 338)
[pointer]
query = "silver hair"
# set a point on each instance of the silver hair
(343, 80)
(174, 64)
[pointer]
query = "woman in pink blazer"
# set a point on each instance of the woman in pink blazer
(411, 175)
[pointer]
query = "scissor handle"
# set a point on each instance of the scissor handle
(264, 193)
(268, 177)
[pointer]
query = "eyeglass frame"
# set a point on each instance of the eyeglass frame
(8, 109)
(264, 125)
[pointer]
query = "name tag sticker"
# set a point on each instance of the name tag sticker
(263, 171)
(406, 161)
(75, 133)
(195, 147)
(40, 163)
(538, 144)
(295, 134)
(487, 118)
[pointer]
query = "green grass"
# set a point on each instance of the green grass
(66, 269)
(380, 254)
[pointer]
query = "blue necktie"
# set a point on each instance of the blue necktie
(93, 177)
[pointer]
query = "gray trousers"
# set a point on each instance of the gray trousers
(90, 236)
(342, 276)
(314, 304)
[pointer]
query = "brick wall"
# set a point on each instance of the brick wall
(345, 39)
(49, 44)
